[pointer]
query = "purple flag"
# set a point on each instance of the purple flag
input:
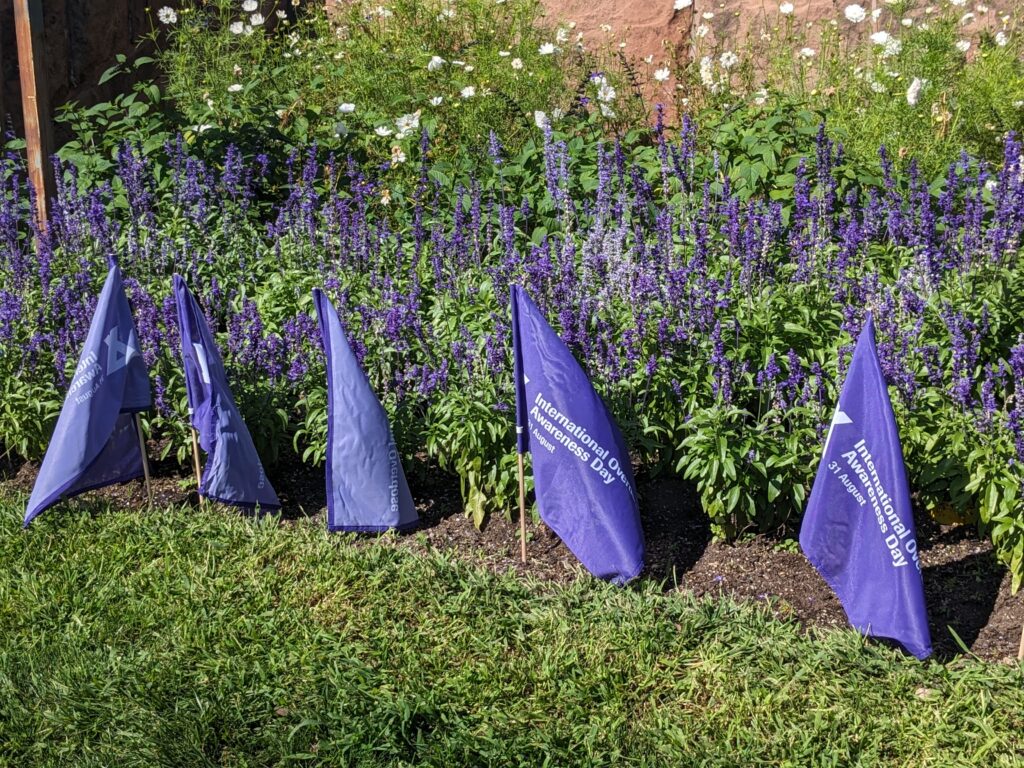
(858, 530)
(233, 473)
(95, 442)
(366, 486)
(582, 474)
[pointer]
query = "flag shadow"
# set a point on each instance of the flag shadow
(9, 467)
(960, 593)
(676, 530)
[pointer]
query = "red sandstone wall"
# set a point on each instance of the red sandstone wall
(649, 26)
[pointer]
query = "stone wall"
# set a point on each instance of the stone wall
(655, 28)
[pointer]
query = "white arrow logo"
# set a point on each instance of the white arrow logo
(839, 418)
(119, 354)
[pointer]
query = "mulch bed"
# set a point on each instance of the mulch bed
(967, 589)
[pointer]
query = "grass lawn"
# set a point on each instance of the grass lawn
(185, 638)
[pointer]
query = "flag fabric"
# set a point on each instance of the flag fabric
(366, 486)
(233, 473)
(95, 442)
(582, 474)
(858, 530)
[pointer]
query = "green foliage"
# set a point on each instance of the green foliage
(363, 77)
(142, 117)
(190, 638)
(470, 438)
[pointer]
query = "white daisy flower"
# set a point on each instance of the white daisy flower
(662, 74)
(235, 27)
(407, 124)
(167, 15)
(607, 111)
(281, 14)
(504, 54)
(435, 63)
(907, 22)
(397, 155)
(546, 49)
(446, 14)
(606, 93)
(680, 5)
(1002, 39)
(708, 15)
(707, 72)
(702, 31)
(256, 19)
(540, 119)
(436, 101)
(234, 88)
(807, 53)
(786, 8)
(347, 108)
(383, 130)
(963, 45)
(728, 60)
(517, 63)
(880, 38)
(562, 36)
(468, 92)
(760, 97)
(855, 13)
(250, 5)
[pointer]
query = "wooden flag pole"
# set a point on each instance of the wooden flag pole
(195, 461)
(145, 459)
(1020, 650)
(522, 507)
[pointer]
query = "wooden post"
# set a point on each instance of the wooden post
(1020, 650)
(3, 105)
(522, 507)
(145, 459)
(35, 102)
(195, 462)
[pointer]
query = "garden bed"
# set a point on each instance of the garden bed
(966, 588)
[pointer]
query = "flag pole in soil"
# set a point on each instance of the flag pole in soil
(195, 462)
(522, 508)
(1020, 650)
(145, 459)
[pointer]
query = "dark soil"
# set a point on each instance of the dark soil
(968, 591)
